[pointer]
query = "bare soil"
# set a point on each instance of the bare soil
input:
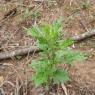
(15, 73)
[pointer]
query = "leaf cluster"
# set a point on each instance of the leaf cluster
(54, 52)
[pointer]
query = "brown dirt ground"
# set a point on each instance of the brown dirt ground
(13, 36)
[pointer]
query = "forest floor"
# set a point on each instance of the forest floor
(15, 16)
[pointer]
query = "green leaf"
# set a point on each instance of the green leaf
(42, 40)
(59, 56)
(57, 25)
(60, 76)
(66, 43)
(39, 79)
(35, 64)
(70, 56)
(32, 32)
(46, 29)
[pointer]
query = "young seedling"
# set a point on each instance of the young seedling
(54, 53)
(87, 4)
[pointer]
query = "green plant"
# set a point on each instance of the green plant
(54, 53)
(87, 4)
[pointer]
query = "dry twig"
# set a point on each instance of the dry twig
(64, 89)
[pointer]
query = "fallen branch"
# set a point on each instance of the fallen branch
(32, 49)
(84, 36)
(24, 51)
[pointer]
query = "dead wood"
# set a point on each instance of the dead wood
(84, 36)
(32, 49)
(24, 51)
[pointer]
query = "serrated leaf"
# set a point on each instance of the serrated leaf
(66, 43)
(59, 56)
(71, 56)
(41, 40)
(57, 25)
(60, 76)
(39, 79)
(46, 29)
(32, 32)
